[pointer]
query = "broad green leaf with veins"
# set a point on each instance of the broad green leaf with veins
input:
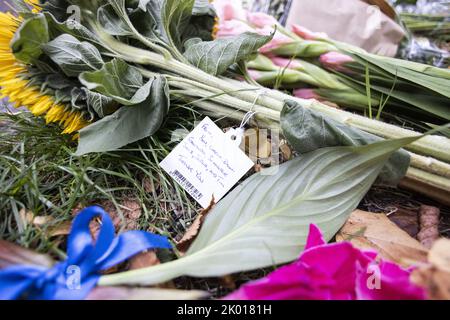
(118, 80)
(128, 124)
(176, 16)
(215, 57)
(73, 56)
(264, 222)
(29, 37)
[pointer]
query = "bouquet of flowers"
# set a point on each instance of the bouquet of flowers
(111, 73)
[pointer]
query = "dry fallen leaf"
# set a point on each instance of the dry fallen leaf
(123, 293)
(407, 220)
(11, 254)
(63, 229)
(439, 255)
(190, 235)
(367, 230)
(144, 260)
(286, 150)
(435, 277)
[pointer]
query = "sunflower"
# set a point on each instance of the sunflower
(14, 86)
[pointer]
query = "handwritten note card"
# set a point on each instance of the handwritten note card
(207, 163)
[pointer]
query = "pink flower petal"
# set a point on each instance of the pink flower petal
(286, 63)
(336, 271)
(315, 237)
(261, 20)
(307, 34)
(229, 10)
(386, 281)
(335, 60)
(232, 28)
(306, 94)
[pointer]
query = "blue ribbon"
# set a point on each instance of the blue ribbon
(74, 278)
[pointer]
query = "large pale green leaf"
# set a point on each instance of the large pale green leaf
(118, 80)
(215, 57)
(110, 20)
(308, 130)
(264, 222)
(129, 124)
(71, 27)
(175, 16)
(73, 56)
(97, 104)
(29, 37)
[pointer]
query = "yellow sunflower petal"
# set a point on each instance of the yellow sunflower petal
(18, 91)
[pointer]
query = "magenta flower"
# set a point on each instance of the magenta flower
(229, 10)
(336, 271)
(335, 60)
(261, 20)
(306, 33)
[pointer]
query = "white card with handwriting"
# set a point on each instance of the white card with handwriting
(207, 163)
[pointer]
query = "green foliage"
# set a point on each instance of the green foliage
(118, 80)
(255, 227)
(215, 57)
(308, 130)
(73, 56)
(28, 39)
(129, 124)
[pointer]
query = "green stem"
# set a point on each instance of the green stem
(435, 146)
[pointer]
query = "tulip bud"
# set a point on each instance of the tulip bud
(306, 94)
(307, 34)
(335, 60)
(261, 20)
(287, 63)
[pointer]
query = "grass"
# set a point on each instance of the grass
(39, 173)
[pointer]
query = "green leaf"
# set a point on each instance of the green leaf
(215, 57)
(97, 104)
(264, 222)
(176, 15)
(118, 80)
(73, 56)
(111, 21)
(308, 130)
(71, 27)
(129, 124)
(430, 81)
(148, 20)
(29, 37)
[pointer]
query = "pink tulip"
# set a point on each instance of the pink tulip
(261, 20)
(306, 33)
(255, 75)
(286, 63)
(335, 60)
(229, 10)
(336, 271)
(306, 94)
(233, 28)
